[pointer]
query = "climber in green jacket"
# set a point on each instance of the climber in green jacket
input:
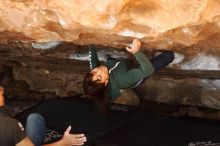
(105, 81)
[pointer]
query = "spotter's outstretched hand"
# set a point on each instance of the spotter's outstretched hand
(73, 139)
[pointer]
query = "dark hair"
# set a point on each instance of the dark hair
(96, 91)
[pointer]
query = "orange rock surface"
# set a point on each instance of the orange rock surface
(159, 24)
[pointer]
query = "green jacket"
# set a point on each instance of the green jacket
(121, 74)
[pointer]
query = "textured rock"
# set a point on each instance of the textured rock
(175, 89)
(27, 73)
(188, 27)
(159, 24)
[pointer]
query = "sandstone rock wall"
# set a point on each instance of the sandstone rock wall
(180, 25)
(188, 27)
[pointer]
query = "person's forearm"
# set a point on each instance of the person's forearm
(93, 58)
(58, 143)
(145, 64)
(2, 103)
(25, 142)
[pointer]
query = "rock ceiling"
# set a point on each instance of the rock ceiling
(188, 26)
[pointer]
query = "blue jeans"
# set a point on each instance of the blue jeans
(36, 128)
(162, 60)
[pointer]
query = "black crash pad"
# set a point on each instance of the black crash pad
(124, 125)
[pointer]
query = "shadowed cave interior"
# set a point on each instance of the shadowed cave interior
(44, 58)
